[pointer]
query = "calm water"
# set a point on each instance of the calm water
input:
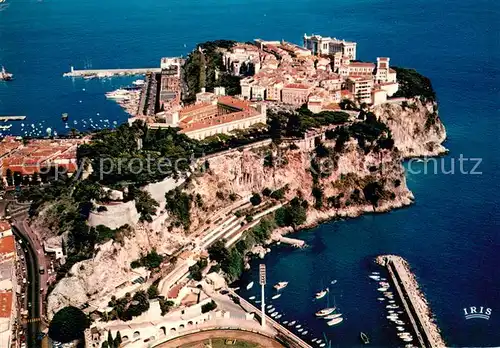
(450, 236)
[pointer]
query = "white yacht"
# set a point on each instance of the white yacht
(325, 312)
(276, 296)
(281, 285)
(321, 294)
(335, 321)
(333, 316)
(250, 285)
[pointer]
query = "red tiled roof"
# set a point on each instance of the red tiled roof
(5, 304)
(297, 86)
(362, 64)
(174, 292)
(7, 245)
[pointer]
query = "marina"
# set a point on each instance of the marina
(414, 303)
(105, 73)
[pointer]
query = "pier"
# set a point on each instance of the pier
(298, 243)
(101, 73)
(284, 334)
(12, 118)
(413, 301)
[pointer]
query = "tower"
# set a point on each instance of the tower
(262, 282)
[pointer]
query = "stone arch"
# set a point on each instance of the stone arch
(137, 334)
(172, 330)
(124, 338)
(181, 326)
(190, 323)
(163, 331)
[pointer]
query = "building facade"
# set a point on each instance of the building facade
(329, 46)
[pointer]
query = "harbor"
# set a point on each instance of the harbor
(105, 73)
(414, 302)
(283, 333)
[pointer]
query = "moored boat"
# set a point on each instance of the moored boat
(374, 277)
(321, 294)
(251, 298)
(281, 285)
(276, 296)
(335, 321)
(333, 316)
(250, 285)
(364, 338)
(324, 312)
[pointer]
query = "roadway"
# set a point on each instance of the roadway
(33, 287)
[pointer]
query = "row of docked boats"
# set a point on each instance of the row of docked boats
(393, 310)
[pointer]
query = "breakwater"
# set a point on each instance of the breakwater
(101, 73)
(414, 302)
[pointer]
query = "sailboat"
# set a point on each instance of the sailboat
(333, 316)
(321, 294)
(326, 311)
(364, 338)
(335, 321)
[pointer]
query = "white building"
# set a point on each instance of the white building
(327, 45)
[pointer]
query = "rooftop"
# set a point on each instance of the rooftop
(7, 245)
(5, 304)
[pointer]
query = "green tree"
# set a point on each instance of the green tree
(255, 199)
(111, 342)
(68, 324)
(118, 339)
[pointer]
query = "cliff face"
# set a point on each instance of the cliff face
(350, 183)
(416, 127)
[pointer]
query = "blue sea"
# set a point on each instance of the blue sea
(450, 236)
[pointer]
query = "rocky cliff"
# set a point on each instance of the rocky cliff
(351, 183)
(416, 127)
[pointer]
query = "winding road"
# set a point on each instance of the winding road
(33, 286)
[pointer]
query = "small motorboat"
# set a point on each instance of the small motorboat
(304, 333)
(322, 345)
(399, 322)
(333, 316)
(269, 306)
(279, 316)
(374, 277)
(364, 338)
(375, 272)
(400, 328)
(335, 321)
(314, 340)
(298, 326)
(392, 301)
(257, 301)
(250, 285)
(325, 312)
(251, 298)
(281, 285)
(276, 296)
(321, 294)
(292, 323)
(300, 330)
(391, 311)
(271, 310)
(382, 289)
(381, 299)
(285, 322)
(274, 314)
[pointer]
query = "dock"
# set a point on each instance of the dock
(285, 335)
(414, 303)
(298, 243)
(12, 118)
(102, 73)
